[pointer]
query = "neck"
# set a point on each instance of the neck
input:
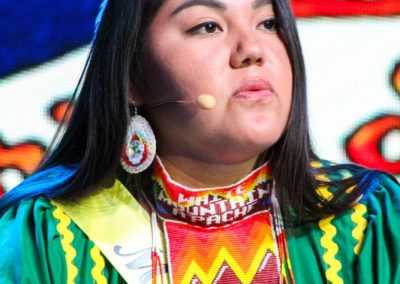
(202, 174)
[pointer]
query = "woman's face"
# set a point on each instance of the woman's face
(230, 50)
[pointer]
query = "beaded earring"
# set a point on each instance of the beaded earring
(140, 146)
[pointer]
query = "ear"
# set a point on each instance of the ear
(133, 97)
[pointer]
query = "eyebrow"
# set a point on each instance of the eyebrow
(216, 5)
(208, 3)
(259, 3)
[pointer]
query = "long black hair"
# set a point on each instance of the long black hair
(93, 137)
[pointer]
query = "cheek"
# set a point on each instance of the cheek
(287, 87)
(283, 79)
(161, 82)
(182, 74)
(284, 75)
(283, 63)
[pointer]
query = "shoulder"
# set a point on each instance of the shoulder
(375, 195)
(345, 246)
(30, 222)
(342, 180)
(27, 236)
(22, 221)
(376, 191)
(383, 189)
(39, 242)
(31, 212)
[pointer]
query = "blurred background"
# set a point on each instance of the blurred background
(351, 49)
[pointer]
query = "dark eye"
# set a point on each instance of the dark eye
(269, 24)
(205, 28)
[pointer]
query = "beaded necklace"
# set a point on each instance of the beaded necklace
(232, 234)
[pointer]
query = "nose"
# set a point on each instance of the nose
(247, 50)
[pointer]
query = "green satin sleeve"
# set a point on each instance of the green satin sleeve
(361, 245)
(34, 245)
(379, 259)
(30, 247)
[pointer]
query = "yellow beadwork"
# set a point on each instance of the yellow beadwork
(225, 256)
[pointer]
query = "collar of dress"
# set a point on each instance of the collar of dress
(210, 207)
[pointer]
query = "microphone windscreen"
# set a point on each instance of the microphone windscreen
(206, 101)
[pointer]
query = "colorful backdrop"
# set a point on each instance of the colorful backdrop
(351, 48)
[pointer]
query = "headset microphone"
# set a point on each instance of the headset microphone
(204, 101)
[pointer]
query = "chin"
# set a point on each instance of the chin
(262, 137)
(243, 152)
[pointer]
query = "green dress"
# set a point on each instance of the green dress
(39, 243)
(361, 245)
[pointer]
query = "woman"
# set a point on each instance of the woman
(234, 192)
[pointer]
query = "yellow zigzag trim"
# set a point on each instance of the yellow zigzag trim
(67, 238)
(316, 164)
(324, 193)
(322, 178)
(99, 265)
(224, 255)
(331, 250)
(361, 224)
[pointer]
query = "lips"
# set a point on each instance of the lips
(253, 89)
